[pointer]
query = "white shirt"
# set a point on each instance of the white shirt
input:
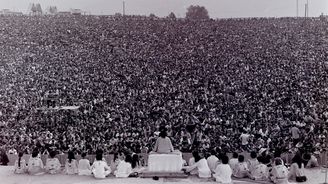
(35, 165)
(124, 169)
(203, 169)
(223, 173)
(71, 168)
(98, 168)
(279, 174)
(84, 167)
(233, 162)
(212, 162)
(22, 169)
(252, 163)
(52, 165)
(260, 172)
(244, 139)
(240, 170)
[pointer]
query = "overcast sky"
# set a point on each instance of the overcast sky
(216, 8)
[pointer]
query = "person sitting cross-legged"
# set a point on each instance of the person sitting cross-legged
(124, 168)
(52, 164)
(35, 164)
(99, 168)
(20, 164)
(71, 164)
(260, 171)
(279, 172)
(200, 165)
(84, 167)
(223, 172)
(240, 170)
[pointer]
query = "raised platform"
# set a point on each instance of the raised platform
(150, 174)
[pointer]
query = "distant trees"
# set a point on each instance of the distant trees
(36, 9)
(52, 10)
(172, 16)
(197, 13)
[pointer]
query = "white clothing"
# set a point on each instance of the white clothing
(279, 174)
(84, 167)
(100, 169)
(163, 145)
(223, 174)
(252, 163)
(22, 169)
(124, 169)
(212, 162)
(233, 162)
(53, 165)
(71, 168)
(35, 165)
(260, 172)
(202, 168)
(295, 171)
(244, 139)
(240, 170)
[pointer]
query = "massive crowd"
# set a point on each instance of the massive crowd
(235, 84)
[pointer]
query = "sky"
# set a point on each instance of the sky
(216, 8)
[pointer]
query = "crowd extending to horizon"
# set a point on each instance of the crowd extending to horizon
(235, 84)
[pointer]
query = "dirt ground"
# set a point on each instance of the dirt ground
(315, 176)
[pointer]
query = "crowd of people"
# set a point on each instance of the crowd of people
(234, 84)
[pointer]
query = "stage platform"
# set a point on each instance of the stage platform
(315, 176)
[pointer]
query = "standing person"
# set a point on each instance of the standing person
(279, 173)
(201, 165)
(212, 161)
(71, 164)
(99, 168)
(52, 164)
(84, 167)
(20, 164)
(223, 172)
(296, 172)
(244, 137)
(35, 164)
(295, 134)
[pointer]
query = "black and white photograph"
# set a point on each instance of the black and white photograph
(163, 91)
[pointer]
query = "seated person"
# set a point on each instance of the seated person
(240, 170)
(260, 171)
(296, 171)
(200, 165)
(312, 161)
(35, 164)
(279, 173)
(20, 164)
(124, 168)
(163, 143)
(71, 164)
(252, 162)
(234, 160)
(52, 164)
(223, 172)
(212, 160)
(99, 168)
(84, 167)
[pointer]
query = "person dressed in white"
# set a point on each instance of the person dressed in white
(71, 164)
(212, 161)
(279, 173)
(252, 162)
(240, 170)
(99, 168)
(35, 164)
(124, 168)
(260, 171)
(163, 143)
(52, 164)
(20, 165)
(84, 167)
(296, 171)
(201, 165)
(223, 172)
(234, 160)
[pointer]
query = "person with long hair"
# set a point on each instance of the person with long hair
(84, 167)
(20, 164)
(296, 171)
(163, 143)
(71, 164)
(200, 165)
(124, 168)
(35, 164)
(52, 164)
(4, 160)
(99, 168)
(279, 172)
